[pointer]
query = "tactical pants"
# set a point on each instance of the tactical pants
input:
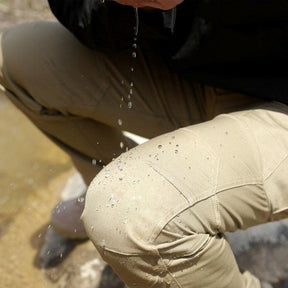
(161, 210)
(78, 97)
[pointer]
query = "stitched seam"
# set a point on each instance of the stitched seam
(278, 165)
(167, 270)
(246, 129)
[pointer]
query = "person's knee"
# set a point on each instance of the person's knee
(135, 196)
(115, 214)
(128, 216)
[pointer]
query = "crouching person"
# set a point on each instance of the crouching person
(158, 213)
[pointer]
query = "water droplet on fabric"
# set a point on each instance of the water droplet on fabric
(120, 122)
(103, 244)
(121, 145)
(80, 199)
(132, 84)
(134, 54)
(129, 104)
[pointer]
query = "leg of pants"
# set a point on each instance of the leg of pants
(74, 94)
(158, 213)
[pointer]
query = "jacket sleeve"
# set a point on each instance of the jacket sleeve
(96, 24)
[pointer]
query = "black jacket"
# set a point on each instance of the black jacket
(239, 45)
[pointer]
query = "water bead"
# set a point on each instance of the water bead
(80, 199)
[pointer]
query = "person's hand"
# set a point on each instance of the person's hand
(160, 4)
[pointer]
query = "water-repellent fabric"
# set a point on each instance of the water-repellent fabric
(157, 214)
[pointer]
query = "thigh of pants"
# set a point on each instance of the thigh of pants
(79, 96)
(157, 214)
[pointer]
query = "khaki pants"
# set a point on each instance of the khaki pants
(73, 94)
(157, 214)
(160, 220)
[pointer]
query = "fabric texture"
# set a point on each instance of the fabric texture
(158, 213)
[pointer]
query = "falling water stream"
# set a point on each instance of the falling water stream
(132, 70)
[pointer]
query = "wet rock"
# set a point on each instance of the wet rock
(109, 279)
(263, 250)
(83, 268)
(54, 250)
